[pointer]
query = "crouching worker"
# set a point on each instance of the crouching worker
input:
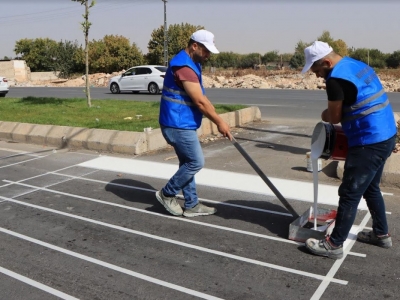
(183, 104)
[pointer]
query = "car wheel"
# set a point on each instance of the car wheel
(153, 88)
(114, 88)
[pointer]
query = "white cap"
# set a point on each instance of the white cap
(206, 38)
(315, 52)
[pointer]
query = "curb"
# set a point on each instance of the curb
(123, 142)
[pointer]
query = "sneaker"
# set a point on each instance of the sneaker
(199, 210)
(371, 238)
(324, 248)
(169, 203)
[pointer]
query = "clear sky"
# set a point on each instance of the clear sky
(240, 26)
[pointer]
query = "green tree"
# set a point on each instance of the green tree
(393, 60)
(372, 57)
(113, 53)
(36, 53)
(178, 37)
(67, 58)
(85, 27)
(271, 56)
(249, 60)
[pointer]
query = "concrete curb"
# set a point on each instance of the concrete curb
(123, 142)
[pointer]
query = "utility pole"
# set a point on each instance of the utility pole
(165, 34)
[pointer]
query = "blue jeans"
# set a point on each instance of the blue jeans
(362, 175)
(191, 160)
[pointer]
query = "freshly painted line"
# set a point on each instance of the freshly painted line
(36, 284)
(153, 191)
(36, 188)
(109, 266)
(21, 162)
(203, 249)
(290, 189)
(332, 272)
(357, 254)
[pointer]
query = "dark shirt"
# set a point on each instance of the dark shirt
(340, 89)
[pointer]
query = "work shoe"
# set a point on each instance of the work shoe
(199, 210)
(169, 203)
(324, 248)
(371, 238)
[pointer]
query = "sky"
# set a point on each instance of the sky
(240, 26)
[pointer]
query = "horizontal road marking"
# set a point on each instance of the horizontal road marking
(291, 189)
(153, 191)
(109, 266)
(36, 284)
(332, 272)
(36, 188)
(174, 242)
(21, 162)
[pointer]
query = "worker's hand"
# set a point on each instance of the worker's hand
(224, 129)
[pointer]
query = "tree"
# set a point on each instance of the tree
(37, 53)
(67, 58)
(271, 56)
(113, 53)
(372, 57)
(86, 26)
(178, 37)
(393, 60)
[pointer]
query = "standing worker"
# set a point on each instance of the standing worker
(183, 104)
(358, 101)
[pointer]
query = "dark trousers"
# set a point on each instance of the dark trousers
(361, 178)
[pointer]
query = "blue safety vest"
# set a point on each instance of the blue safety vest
(177, 110)
(370, 119)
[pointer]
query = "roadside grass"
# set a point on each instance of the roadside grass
(104, 114)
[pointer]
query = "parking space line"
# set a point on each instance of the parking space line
(36, 188)
(21, 162)
(153, 191)
(332, 272)
(36, 284)
(110, 266)
(190, 246)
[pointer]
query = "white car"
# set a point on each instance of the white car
(3, 86)
(141, 78)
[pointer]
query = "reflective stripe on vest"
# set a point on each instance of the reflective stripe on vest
(364, 102)
(366, 112)
(183, 102)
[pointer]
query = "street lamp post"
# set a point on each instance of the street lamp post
(165, 34)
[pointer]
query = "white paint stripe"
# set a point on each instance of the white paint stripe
(357, 254)
(332, 272)
(36, 284)
(21, 162)
(20, 154)
(36, 188)
(19, 151)
(152, 191)
(223, 254)
(290, 189)
(110, 266)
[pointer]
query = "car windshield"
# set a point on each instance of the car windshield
(161, 69)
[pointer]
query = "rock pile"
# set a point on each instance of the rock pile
(291, 80)
(287, 81)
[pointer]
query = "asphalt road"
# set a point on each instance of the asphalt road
(85, 225)
(287, 104)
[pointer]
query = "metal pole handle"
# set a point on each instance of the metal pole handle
(265, 178)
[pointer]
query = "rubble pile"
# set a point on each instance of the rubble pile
(294, 81)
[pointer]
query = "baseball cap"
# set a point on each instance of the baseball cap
(315, 52)
(206, 38)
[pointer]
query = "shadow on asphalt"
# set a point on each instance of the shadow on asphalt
(276, 147)
(274, 131)
(276, 224)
